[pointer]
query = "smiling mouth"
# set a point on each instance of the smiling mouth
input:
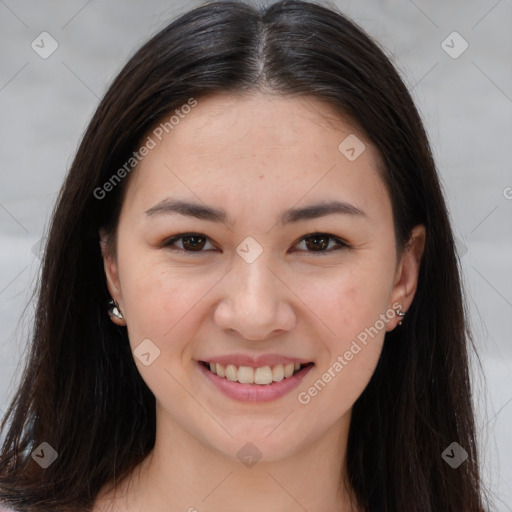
(259, 376)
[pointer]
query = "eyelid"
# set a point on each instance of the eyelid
(341, 244)
(167, 243)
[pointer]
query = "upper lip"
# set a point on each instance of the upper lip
(255, 361)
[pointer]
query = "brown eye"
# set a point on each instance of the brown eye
(319, 242)
(191, 242)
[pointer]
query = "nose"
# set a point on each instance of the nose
(256, 301)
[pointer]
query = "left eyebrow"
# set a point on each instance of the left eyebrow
(292, 215)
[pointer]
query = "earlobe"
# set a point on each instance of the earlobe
(406, 279)
(115, 313)
(112, 280)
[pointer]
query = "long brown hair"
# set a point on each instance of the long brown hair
(81, 391)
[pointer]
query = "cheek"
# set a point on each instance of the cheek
(163, 304)
(352, 309)
(159, 298)
(340, 384)
(357, 297)
(354, 306)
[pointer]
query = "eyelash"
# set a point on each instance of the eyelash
(168, 243)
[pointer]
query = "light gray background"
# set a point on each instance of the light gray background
(466, 103)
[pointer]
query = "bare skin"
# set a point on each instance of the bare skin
(254, 156)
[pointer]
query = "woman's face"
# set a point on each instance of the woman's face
(254, 288)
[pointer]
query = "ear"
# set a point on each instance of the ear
(406, 277)
(111, 274)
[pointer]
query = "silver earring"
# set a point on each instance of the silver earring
(399, 313)
(114, 309)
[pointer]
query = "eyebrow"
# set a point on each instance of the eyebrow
(200, 211)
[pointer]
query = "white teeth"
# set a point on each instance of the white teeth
(248, 375)
(221, 371)
(263, 375)
(278, 373)
(288, 370)
(245, 375)
(231, 372)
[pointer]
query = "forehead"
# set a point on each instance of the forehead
(254, 147)
(236, 125)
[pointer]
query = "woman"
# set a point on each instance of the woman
(250, 296)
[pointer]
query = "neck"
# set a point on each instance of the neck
(184, 474)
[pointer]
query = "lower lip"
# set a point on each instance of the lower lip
(255, 392)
